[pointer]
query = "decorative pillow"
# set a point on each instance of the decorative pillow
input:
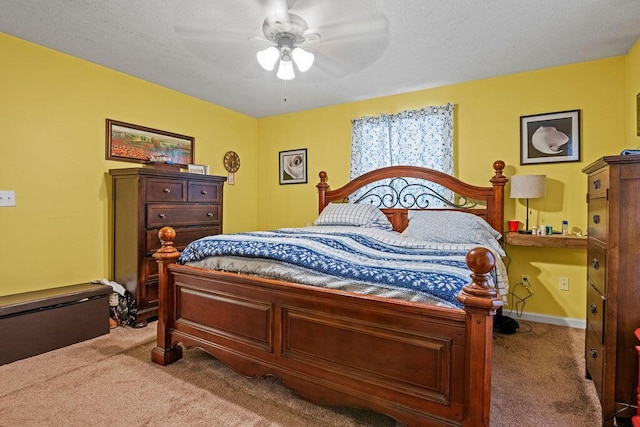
(362, 215)
(452, 227)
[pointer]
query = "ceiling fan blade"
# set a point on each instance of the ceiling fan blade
(277, 9)
(207, 33)
(372, 26)
(341, 57)
(232, 56)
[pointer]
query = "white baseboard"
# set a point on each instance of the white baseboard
(554, 320)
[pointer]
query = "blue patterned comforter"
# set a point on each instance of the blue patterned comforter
(369, 257)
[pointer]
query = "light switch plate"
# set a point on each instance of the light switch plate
(7, 198)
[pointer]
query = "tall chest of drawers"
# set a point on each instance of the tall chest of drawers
(613, 282)
(145, 200)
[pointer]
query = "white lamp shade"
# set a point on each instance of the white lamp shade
(528, 186)
(267, 58)
(285, 70)
(303, 59)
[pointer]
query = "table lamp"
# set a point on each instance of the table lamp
(527, 187)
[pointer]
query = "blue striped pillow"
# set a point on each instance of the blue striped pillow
(445, 226)
(361, 215)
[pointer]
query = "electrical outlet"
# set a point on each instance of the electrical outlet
(564, 283)
(7, 198)
(526, 283)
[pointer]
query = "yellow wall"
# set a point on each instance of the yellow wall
(52, 134)
(487, 123)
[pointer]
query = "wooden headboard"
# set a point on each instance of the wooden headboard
(487, 202)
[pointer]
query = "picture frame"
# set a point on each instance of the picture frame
(293, 166)
(638, 113)
(140, 144)
(550, 137)
(199, 169)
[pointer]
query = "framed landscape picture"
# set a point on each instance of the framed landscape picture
(133, 143)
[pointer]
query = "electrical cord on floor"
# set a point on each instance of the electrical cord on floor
(521, 301)
(504, 322)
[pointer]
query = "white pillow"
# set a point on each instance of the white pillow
(354, 214)
(452, 227)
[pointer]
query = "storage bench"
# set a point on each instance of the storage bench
(36, 322)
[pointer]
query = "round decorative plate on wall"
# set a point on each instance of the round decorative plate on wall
(231, 163)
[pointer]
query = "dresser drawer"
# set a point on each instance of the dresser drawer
(597, 219)
(150, 283)
(598, 184)
(165, 190)
(597, 266)
(594, 357)
(595, 312)
(182, 215)
(184, 236)
(206, 192)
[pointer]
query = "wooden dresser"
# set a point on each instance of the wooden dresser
(144, 201)
(613, 288)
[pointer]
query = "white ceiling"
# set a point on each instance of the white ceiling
(367, 48)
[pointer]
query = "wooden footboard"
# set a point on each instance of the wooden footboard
(422, 365)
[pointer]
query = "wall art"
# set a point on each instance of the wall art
(550, 138)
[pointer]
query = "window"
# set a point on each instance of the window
(414, 137)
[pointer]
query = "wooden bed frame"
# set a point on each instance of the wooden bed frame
(420, 364)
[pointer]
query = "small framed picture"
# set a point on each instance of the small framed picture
(293, 166)
(199, 169)
(550, 138)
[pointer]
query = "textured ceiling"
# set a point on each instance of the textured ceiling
(367, 48)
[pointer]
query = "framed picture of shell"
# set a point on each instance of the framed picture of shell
(550, 137)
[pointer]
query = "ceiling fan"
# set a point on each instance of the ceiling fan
(288, 32)
(333, 36)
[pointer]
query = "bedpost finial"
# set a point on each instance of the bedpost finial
(322, 186)
(498, 179)
(166, 235)
(480, 260)
(479, 293)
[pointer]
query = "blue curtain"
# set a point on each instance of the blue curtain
(421, 137)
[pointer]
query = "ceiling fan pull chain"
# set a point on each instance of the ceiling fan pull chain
(285, 91)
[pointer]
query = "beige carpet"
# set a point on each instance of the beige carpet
(538, 380)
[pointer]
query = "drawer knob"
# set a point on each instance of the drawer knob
(593, 308)
(163, 216)
(203, 192)
(596, 219)
(596, 184)
(595, 264)
(209, 214)
(167, 190)
(594, 353)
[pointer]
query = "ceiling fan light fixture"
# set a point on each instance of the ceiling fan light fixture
(285, 70)
(267, 58)
(287, 33)
(302, 58)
